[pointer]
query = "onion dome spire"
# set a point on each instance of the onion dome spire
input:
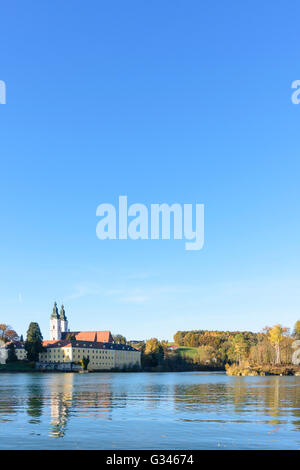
(55, 311)
(63, 313)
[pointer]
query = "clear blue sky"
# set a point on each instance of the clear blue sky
(163, 101)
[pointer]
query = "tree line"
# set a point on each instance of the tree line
(273, 345)
(211, 349)
(214, 349)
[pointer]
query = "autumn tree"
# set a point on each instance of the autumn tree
(296, 331)
(240, 347)
(3, 328)
(262, 352)
(7, 333)
(11, 335)
(153, 353)
(286, 350)
(204, 355)
(179, 338)
(276, 337)
(153, 346)
(165, 345)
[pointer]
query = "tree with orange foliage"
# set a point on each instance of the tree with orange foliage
(7, 333)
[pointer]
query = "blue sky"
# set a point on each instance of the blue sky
(163, 102)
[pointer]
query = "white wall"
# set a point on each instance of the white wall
(3, 355)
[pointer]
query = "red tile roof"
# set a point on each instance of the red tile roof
(95, 336)
(87, 345)
(56, 343)
(104, 337)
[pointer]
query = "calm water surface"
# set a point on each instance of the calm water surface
(190, 410)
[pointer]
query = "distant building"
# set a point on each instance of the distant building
(67, 347)
(172, 347)
(101, 355)
(19, 349)
(59, 329)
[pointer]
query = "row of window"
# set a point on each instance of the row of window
(58, 355)
(97, 353)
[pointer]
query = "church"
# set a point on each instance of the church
(66, 349)
(59, 329)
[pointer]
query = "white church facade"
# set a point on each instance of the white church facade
(58, 323)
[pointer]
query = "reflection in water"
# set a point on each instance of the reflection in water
(185, 410)
(66, 398)
(273, 397)
(60, 403)
(35, 402)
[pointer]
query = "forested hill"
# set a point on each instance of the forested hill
(272, 345)
(197, 338)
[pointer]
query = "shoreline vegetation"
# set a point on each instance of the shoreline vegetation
(28, 367)
(269, 352)
(246, 370)
(241, 370)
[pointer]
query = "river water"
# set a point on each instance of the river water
(188, 410)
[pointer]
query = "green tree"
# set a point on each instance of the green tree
(85, 362)
(11, 353)
(153, 353)
(119, 339)
(153, 346)
(71, 336)
(34, 342)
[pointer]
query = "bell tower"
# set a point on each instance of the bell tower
(55, 324)
(63, 320)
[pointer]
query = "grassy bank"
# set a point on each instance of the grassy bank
(17, 367)
(187, 351)
(261, 370)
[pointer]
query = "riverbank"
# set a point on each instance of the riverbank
(261, 370)
(21, 366)
(18, 366)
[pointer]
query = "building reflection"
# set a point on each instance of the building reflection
(61, 393)
(35, 403)
(72, 398)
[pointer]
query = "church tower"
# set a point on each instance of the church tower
(55, 324)
(63, 320)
